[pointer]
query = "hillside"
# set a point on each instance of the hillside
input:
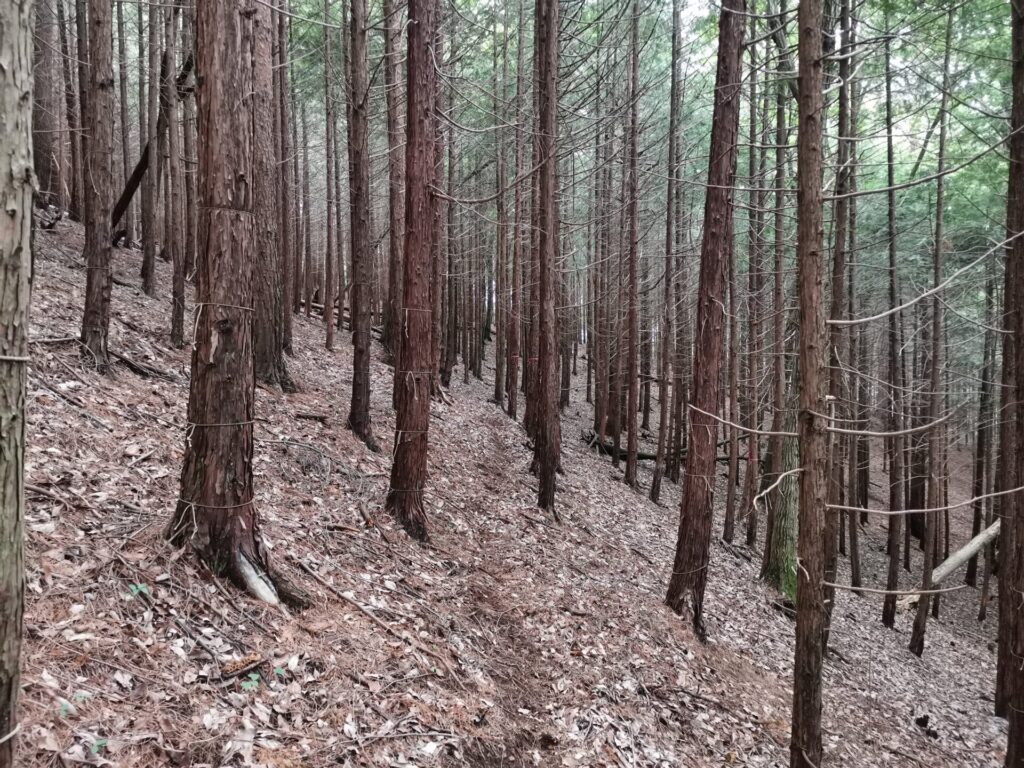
(509, 640)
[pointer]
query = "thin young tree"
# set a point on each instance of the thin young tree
(215, 512)
(413, 381)
(332, 253)
(805, 745)
(359, 210)
(689, 571)
(16, 189)
(150, 201)
(665, 331)
(396, 171)
(99, 178)
(633, 340)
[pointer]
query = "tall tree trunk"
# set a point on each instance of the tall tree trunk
(126, 145)
(1011, 569)
(331, 255)
(99, 170)
(288, 221)
(689, 571)
(805, 745)
(190, 153)
(151, 200)
(547, 434)
(936, 397)
(983, 435)
(775, 441)
(665, 331)
(515, 310)
(16, 264)
(632, 321)
(174, 225)
(896, 389)
(409, 469)
(396, 170)
(215, 511)
(46, 137)
(308, 270)
(501, 225)
(359, 208)
(269, 364)
(72, 116)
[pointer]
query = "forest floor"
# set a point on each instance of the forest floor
(509, 640)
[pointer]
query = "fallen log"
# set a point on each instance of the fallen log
(609, 449)
(958, 559)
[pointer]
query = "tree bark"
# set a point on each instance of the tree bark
(126, 145)
(175, 225)
(215, 512)
(359, 208)
(396, 171)
(269, 364)
(689, 571)
(805, 745)
(99, 108)
(632, 321)
(409, 469)
(547, 436)
(332, 252)
(152, 180)
(16, 188)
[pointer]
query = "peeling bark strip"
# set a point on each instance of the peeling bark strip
(413, 378)
(215, 513)
(689, 570)
(16, 187)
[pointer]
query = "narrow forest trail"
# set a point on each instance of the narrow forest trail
(509, 640)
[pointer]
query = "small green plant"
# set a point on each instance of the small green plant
(279, 671)
(136, 589)
(97, 746)
(252, 681)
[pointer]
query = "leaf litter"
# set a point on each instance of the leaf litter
(508, 640)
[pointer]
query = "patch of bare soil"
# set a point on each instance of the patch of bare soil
(509, 640)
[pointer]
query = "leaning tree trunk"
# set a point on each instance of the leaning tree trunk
(805, 744)
(215, 512)
(409, 469)
(359, 208)
(99, 167)
(689, 571)
(16, 180)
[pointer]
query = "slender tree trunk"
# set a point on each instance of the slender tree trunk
(547, 436)
(332, 252)
(805, 745)
(689, 571)
(775, 441)
(151, 200)
(72, 116)
(287, 236)
(896, 487)
(396, 170)
(174, 225)
(936, 398)
(632, 321)
(501, 225)
(99, 170)
(983, 435)
(665, 331)
(409, 469)
(309, 276)
(269, 364)
(46, 137)
(126, 146)
(16, 264)
(359, 208)
(189, 160)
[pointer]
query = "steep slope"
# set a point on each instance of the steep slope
(508, 640)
